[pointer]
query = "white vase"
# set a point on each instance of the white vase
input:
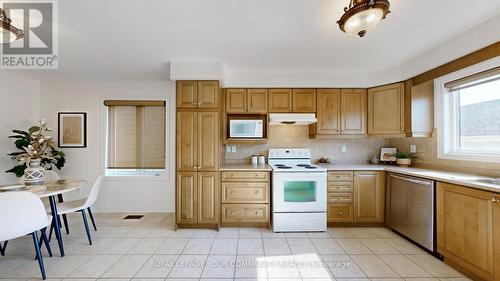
(403, 162)
(34, 174)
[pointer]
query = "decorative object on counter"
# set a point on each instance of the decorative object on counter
(387, 155)
(36, 154)
(374, 159)
(254, 160)
(324, 160)
(72, 129)
(262, 160)
(404, 158)
(362, 16)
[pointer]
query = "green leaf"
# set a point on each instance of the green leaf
(18, 170)
(21, 133)
(21, 143)
(34, 129)
(15, 153)
(17, 137)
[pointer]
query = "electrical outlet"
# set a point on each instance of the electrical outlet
(413, 148)
(344, 148)
(228, 148)
(233, 148)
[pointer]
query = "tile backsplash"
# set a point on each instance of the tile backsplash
(427, 158)
(280, 136)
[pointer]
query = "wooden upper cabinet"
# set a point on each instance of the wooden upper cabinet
(369, 196)
(187, 140)
(257, 101)
(386, 110)
(186, 209)
(353, 111)
(187, 94)
(208, 94)
(304, 100)
(236, 100)
(208, 141)
(197, 94)
(208, 197)
(280, 100)
(328, 107)
(465, 233)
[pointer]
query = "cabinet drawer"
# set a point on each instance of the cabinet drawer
(340, 176)
(245, 192)
(245, 212)
(245, 176)
(340, 198)
(340, 213)
(340, 187)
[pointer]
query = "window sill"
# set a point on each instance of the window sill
(136, 174)
(461, 156)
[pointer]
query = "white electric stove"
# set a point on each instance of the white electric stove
(299, 191)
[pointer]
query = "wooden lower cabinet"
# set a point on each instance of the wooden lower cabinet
(340, 213)
(197, 197)
(245, 198)
(245, 213)
(186, 197)
(468, 230)
(369, 196)
(356, 197)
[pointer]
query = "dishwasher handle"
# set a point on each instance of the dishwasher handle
(412, 180)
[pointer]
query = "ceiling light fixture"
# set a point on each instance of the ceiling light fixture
(362, 16)
(8, 32)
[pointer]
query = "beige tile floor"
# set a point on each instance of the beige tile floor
(150, 249)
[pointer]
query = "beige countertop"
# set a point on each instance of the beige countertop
(245, 167)
(443, 176)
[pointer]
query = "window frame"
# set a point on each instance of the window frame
(446, 121)
(139, 174)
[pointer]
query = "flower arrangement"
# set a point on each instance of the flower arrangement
(34, 145)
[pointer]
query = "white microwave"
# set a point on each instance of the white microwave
(240, 128)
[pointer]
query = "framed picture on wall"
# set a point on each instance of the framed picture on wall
(72, 129)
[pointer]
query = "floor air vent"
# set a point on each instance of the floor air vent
(133, 217)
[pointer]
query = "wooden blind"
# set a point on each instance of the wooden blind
(474, 79)
(136, 136)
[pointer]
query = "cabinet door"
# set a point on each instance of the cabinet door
(369, 196)
(208, 141)
(304, 100)
(187, 141)
(208, 197)
(328, 106)
(236, 100)
(464, 228)
(496, 236)
(187, 94)
(257, 101)
(186, 207)
(208, 94)
(353, 109)
(280, 100)
(386, 110)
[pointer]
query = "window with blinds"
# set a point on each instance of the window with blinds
(136, 135)
(471, 117)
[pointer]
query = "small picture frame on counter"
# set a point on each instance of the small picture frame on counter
(387, 155)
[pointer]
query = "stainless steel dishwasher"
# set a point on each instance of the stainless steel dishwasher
(410, 208)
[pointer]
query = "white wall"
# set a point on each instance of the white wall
(19, 109)
(117, 194)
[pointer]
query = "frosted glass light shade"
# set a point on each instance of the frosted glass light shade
(363, 22)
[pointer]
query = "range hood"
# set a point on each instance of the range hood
(292, 118)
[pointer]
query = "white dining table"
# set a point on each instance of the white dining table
(50, 190)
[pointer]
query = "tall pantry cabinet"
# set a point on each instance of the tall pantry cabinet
(197, 154)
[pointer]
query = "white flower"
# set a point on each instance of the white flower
(35, 152)
(41, 140)
(30, 147)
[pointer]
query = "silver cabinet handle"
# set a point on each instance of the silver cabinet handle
(412, 180)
